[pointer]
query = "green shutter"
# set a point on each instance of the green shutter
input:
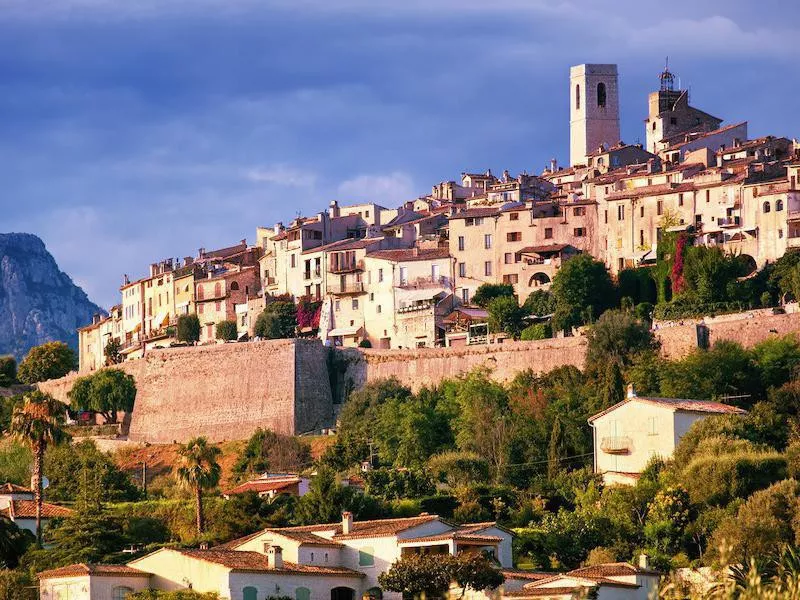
(366, 556)
(302, 593)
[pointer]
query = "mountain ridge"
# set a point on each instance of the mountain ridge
(38, 302)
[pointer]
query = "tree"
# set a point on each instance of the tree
(226, 331)
(487, 292)
(536, 331)
(394, 484)
(113, 352)
(64, 462)
(419, 575)
(778, 359)
(582, 290)
(267, 450)
(327, 498)
(278, 320)
(38, 422)
(48, 361)
(8, 370)
(105, 392)
(188, 329)
(616, 338)
(199, 470)
(506, 315)
(13, 543)
(459, 468)
(540, 303)
(474, 572)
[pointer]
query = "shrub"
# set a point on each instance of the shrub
(540, 303)
(226, 330)
(278, 320)
(459, 468)
(489, 291)
(537, 331)
(8, 370)
(365, 344)
(48, 361)
(188, 329)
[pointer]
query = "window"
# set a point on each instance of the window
(780, 234)
(200, 308)
(366, 556)
(605, 217)
(660, 207)
(487, 268)
(336, 306)
(579, 211)
(461, 243)
(654, 125)
(514, 236)
(465, 295)
(371, 297)
(673, 121)
(403, 275)
(652, 426)
(641, 237)
(577, 97)
(312, 557)
(462, 269)
(548, 233)
(579, 232)
(293, 261)
(508, 258)
(355, 303)
(380, 275)
(511, 279)
(778, 205)
(234, 286)
(478, 220)
(302, 593)
(601, 94)
(378, 309)
(708, 195)
(487, 241)
(513, 217)
(620, 212)
(641, 211)
(680, 199)
(121, 592)
(767, 207)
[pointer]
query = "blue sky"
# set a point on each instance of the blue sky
(134, 130)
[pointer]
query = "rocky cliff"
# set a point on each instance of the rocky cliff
(38, 302)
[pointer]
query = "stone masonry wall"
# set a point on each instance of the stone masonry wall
(226, 391)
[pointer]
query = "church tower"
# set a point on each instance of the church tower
(594, 110)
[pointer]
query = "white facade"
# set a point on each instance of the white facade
(629, 434)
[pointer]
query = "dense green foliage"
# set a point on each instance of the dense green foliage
(506, 316)
(582, 289)
(487, 292)
(8, 370)
(188, 329)
(430, 575)
(270, 451)
(48, 361)
(226, 331)
(277, 320)
(106, 392)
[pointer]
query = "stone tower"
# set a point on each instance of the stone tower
(594, 110)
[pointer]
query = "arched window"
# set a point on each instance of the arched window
(779, 205)
(767, 207)
(577, 97)
(601, 94)
(234, 286)
(249, 593)
(302, 593)
(217, 289)
(121, 592)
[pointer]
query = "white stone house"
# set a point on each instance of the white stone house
(629, 434)
(337, 561)
(17, 504)
(611, 581)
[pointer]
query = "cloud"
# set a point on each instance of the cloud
(387, 190)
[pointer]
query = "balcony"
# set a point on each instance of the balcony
(346, 267)
(793, 215)
(354, 287)
(316, 274)
(734, 221)
(616, 444)
(268, 281)
(421, 283)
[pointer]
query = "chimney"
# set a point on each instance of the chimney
(631, 392)
(275, 557)
(201, 252)
(125, 279)
(277, 228)
(347, 522)
(187, 260)
(333, 211)
(153, 269)
(651, 165)
(644, 561)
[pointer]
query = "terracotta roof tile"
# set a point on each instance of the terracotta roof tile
(80, 569)
(255, 562)
(522, 574)
(261, 485)
(13, 488)
(349, 244)
(619, 569)
(702, 406)
(305, 537)
(26, 509)
(476, 212)
(540, 592)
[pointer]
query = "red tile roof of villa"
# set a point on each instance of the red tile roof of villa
(262, 485)
(26, 509)
(675, 404)
(80, 569)
(619, 569)
(13, 488)
(255, 562)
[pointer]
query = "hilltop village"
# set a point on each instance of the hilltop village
(406, 276)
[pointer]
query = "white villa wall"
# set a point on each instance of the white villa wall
(88, 588)
(171, 570)
(268, 585)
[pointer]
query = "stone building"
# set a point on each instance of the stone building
(594, 110)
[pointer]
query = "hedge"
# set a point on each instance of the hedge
(687, 310)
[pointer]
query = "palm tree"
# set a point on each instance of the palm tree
(37, 423)
(199, 470)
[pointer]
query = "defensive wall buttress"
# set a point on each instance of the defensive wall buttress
(226, 391)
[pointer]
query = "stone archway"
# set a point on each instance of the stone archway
(538, 279)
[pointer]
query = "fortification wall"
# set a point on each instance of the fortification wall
(226, 391)
(428, 366)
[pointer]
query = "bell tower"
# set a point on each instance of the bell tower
(594, 110)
